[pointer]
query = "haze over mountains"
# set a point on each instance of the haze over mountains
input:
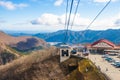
(87, 36)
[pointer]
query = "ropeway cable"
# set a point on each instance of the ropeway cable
(68, 22)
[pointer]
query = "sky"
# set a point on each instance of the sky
(49, 15)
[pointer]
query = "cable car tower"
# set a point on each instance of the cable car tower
(65, 52)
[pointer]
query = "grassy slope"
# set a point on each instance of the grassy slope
(13, 51)
(93, 73)
(31, 67)
(41, 65)
(7, 54)
(80, 72)
(26, 52)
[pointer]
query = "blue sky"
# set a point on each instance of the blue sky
(49, 15)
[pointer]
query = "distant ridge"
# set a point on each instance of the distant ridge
(87, 36)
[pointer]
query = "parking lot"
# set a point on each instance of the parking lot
(113, 60)
(105, 66)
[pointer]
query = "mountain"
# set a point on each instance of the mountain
(22, 43)
(87, 36)
(11, 47)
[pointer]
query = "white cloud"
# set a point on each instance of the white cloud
(58, 2)
(2, 21)
(52, 20)
(11, 6)
(57, 22)
(21, 5)
(47, 19)
(107, 23)
(117, 22)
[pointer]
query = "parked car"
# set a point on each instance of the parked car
(105, 56)
(109, 59)
(114, 63)
(112, 54)
(118, 56)
(117, 65)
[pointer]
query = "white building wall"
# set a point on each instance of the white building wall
(63, 58)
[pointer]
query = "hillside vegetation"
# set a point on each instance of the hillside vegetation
(45, 65)
(82, 69)
(7, 54)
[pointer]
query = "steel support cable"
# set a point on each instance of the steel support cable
(66, 13)
(72, 22)
(98, 14)
(75, 13)
(68, 22)
(96, 17)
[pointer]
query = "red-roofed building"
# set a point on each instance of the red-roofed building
(101, 45)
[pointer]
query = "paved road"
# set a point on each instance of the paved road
(112, 72)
